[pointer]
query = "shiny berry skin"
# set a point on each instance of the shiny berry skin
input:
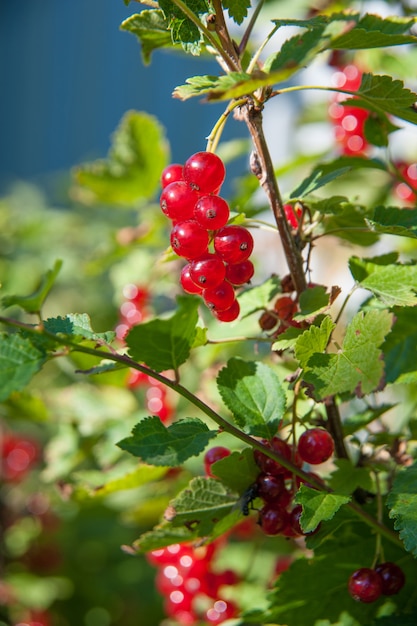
(213, 455)
(293, 215)
(233, 243)
(228, 315)
(211, 212)
(219, 298)
(187, 282)
(365, 585)
(273, 520)
(392, 577)
(240, 273)
(407, 190)
(171, 174)
(285, 308)
(315, 446)
(189, 240)
(204, 171)
(177, 201)
(268, 465)
(207, 270)
(270, 487)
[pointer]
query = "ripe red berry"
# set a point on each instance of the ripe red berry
(365, 585)
(285, 308)
(273, 520)
(228, 315)
(207, 270)
(270, 487)
(392, 577)
(189, 240)
(315, 446)
(213, 455)
(171, 174)
(187, 282)
(268, 465)
(219, 298)
(211, 212)
(233, 243)
(240, 273)
(293, 215)
(204, 171)
(178, 200)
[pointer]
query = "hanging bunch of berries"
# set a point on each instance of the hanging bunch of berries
(191, 584)
(349, 121)
(217, 254)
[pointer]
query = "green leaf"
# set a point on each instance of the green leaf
(152, 30)
(33, 303)
(350, 224)
(387, 95)
(163, 535)
(346, 478)
(373, 31)
(78, 327)
(165, 344)
(237, 471)
(237, 9)
(377, 129)
(141, 475)
(357, 366)
(357, 421)
(296, 51)
(313, 340)
(312, 302)
(257, 298)
(287, 339)
(131, 171)
(201, 505)
(325, 173)
(183, 30)
(169, 446)
(318, 506)
(19, 362)
(253, 393)
(394, 221)
(400, 348)
(394, 284)
(402, 502)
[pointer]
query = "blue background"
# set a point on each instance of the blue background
(68, 74)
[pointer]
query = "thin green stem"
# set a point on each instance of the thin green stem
(231, 64)
(254, 60)
(249, 29)
(216, 132)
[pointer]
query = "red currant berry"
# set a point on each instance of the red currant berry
(293, 215)
(406, 190)
(392, 577)
(219, 298)
(270, 487)
(211, 212)
(295, 515)
(230, 314)
(220, 612)
(315, 446)
(213, 455)
(189, 240)
(187, 282)
(273, 520)
(285, 308)
(268, 320)
(207, 270)
(268, 465)
(240, 273)
(365, 585)
(204, 171)
(171, 174)
(177, 201)
(233, 243)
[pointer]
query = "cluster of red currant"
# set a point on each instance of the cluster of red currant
(406, 190)
(348, 121)
(281, 315)
(17, 456)
(367, 584)
(156, 394)
(275, 484)
(133, 310)
(199, 216)
(190, 584)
